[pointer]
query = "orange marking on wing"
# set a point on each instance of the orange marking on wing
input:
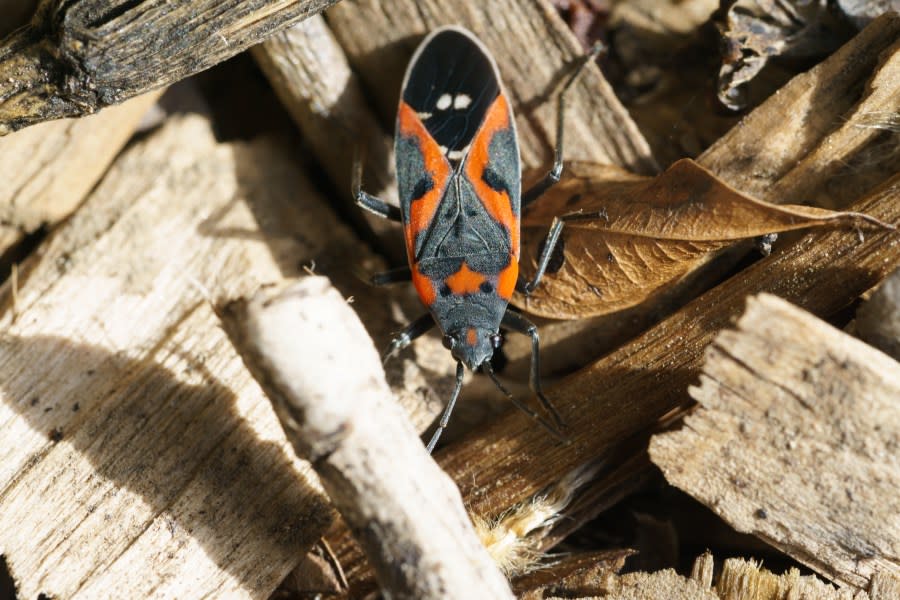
(498, 204)
(422, 210)
(506, 281)
(471, 336)
(424, 286)
(465, 281)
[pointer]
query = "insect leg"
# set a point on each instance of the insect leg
(392, 276)
(406, 337)
(370, 203)
(445, 416)
(521, 405)
(516, 322)
(550, 242)
(551, 178)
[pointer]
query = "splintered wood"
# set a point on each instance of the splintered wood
(138, 458)
(795, 441)
(738, 579)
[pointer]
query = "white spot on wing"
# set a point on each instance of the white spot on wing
(444, 102)
(423, 115)
(462, 101)
(458, 154)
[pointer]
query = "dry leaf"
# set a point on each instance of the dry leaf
(637, 235)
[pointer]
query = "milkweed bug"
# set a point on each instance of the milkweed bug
(459, 182)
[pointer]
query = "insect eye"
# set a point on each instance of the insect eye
(496, 340)
(448, 342)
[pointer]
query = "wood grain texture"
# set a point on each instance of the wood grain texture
(311, 75)
(139, 458)
(737, 579)
(297, 338)
(822, 144)
(47, 170)
(795, 441)
(535, 52)
(76, 57)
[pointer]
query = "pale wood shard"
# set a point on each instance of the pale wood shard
(742, 579)
(76, 57)
(125, 416)
(47, 170)
(535, 52)
(795, 441)
(884, 586)
(661, 585)
(405, 511)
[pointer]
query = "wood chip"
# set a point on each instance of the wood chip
(828, 153)
(878, 320)
(795, 441)
(47, 170)
(136, 452)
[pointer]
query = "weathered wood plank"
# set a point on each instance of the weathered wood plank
(795, 441)
(138, 457)
(46, 170)
(76, 57)
(310, 73)
(535, 51)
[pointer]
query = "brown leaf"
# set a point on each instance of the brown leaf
(638, 235)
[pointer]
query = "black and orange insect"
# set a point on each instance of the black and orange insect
(459, 181)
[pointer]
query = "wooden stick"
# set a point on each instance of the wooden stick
(76, 57)
(795, 440)
(313, 357)
(311, 75)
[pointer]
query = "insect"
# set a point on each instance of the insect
(459, 183)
